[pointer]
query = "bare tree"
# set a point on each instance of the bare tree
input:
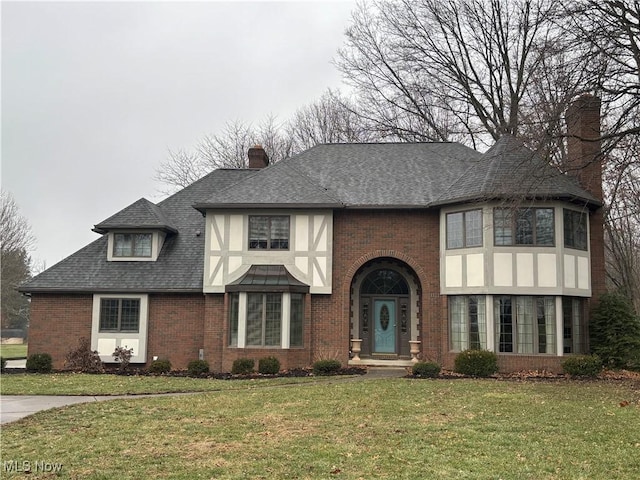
(465, 70)
(608, 33)
(226, 149)
(331, 119)
(328, 120)
(16, 239)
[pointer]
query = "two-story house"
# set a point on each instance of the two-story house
(372, 254)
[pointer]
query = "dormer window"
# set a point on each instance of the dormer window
(132, 244)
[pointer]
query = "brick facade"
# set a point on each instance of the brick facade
(57, 322)
(360, 236)
(176, 329)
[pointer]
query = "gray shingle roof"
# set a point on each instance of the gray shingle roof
(509, 170)
(400, 175)
(379, 175)
(140, 214)
(179, 267)
(354, 175)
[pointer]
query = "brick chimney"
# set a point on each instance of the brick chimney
(258, 158)
(584, 147)
(584, 161)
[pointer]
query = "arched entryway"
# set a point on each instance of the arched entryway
(384, 309)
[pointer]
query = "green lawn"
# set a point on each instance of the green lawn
(13, 351)
(86, 384)
(378, 428)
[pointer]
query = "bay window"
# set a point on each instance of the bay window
(261, 319)
(525, 324)
(468, 322)
(523, 226)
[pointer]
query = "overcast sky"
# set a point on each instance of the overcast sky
(93, 95)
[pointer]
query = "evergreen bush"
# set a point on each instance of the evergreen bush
(582, 365)
(326, 367)
(268, 365)
(159, 366)
(39, 363)
(614, 332)
(242, 366)
(426, 369)
(476, 363)
(198, 367)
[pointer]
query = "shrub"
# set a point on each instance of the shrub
(83, 359)
(614, 332)
(122, 355)
(198, 367)
(582, 365)
(426, 369)
(476, 363)
(269, 365)
(326, 367)
(159, 366)
(242, 366)
(39, 363)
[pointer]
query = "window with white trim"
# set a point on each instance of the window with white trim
(120, 320)
(525, 324)
(259, 319)
(268, 232)
(468, 322)
(464, 229)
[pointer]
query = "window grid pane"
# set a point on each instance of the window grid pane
(234, 302)
(273, 320)
(258, 232)
(123, 245)
(129, 315)
(109, 314)
(142, 245)
(524, 324)
(454, 230)
(544, 226)
(297, 315)
(575, 229)
(502, 226)
(279, 233)
(473, 228)
(504, 324)
(254, 319)
(524, 226)
(457, 307)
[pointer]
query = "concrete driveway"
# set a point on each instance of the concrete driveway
(15, 407)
